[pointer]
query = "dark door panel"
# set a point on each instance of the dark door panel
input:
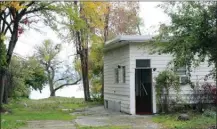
(143, 87)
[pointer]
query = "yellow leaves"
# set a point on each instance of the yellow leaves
(16, 5)
(94, 12)
(92, 5)
(2, 37)
(2, 5)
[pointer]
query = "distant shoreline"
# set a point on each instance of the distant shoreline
(75, 91)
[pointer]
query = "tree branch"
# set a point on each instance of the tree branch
(4, 22)
(61, 79)
(39, 8)
(8, 27)
(25, 9)
(67, 84)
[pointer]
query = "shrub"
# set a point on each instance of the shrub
(209, 113)
(203, 95)
(95, 89)
(209, 92)
(164, 82)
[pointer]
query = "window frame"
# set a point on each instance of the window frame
(116, 75)
(123, 74)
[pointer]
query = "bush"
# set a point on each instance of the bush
(95, 89)
(165, 81)
(210, 91)
(209, 113)
(204, 95)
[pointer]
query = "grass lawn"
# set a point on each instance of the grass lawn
(197, 121)
(44, 109)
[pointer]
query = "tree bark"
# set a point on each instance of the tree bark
(82, 51)
(216, 48)
(216, 40)
(50, 79)
(138, 27)
(2, 79)
(105, 39)
(11, 47)
(51, 86)
(84, 67)
(12, 42)
(53, 93)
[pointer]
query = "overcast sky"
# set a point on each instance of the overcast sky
(151, 16)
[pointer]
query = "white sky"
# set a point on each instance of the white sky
(151, 15)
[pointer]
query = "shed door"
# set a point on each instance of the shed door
(143, 87)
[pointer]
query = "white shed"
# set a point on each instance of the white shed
(129, 72)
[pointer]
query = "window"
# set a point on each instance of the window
(116, 75)
(120, 74)
(181, 70)
(124, 74)
(143, 63)
(106, 104)
(182, 73)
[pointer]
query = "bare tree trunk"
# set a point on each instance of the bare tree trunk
(84, 68)
(5, 97)
(138, 27)
(13, 42)
(105, 39)
(2, 79)
(82, 50)
(216, 47)
(50, 79)
(52, 93)
(215, 98)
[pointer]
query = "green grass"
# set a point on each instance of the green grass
(44, 109)
(197, 121)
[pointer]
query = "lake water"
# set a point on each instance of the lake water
(69, 91)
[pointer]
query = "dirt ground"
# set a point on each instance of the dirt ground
(97, 116)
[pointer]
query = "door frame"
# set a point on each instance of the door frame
(152, 112)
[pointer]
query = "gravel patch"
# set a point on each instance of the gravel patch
(98, 116)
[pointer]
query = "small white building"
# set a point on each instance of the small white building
(129, 72)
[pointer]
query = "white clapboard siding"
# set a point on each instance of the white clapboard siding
(118, 92)
(124, 53)
(160, 62)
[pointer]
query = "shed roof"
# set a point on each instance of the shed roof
(125, 39)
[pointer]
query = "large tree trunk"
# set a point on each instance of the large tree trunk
(6, 90)
(216, 48)
(2, 82)
(11, 47)
(82, 50)
(105, 39)
(53, 93)
(216, 79)
(84, 68)
(50, 79)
